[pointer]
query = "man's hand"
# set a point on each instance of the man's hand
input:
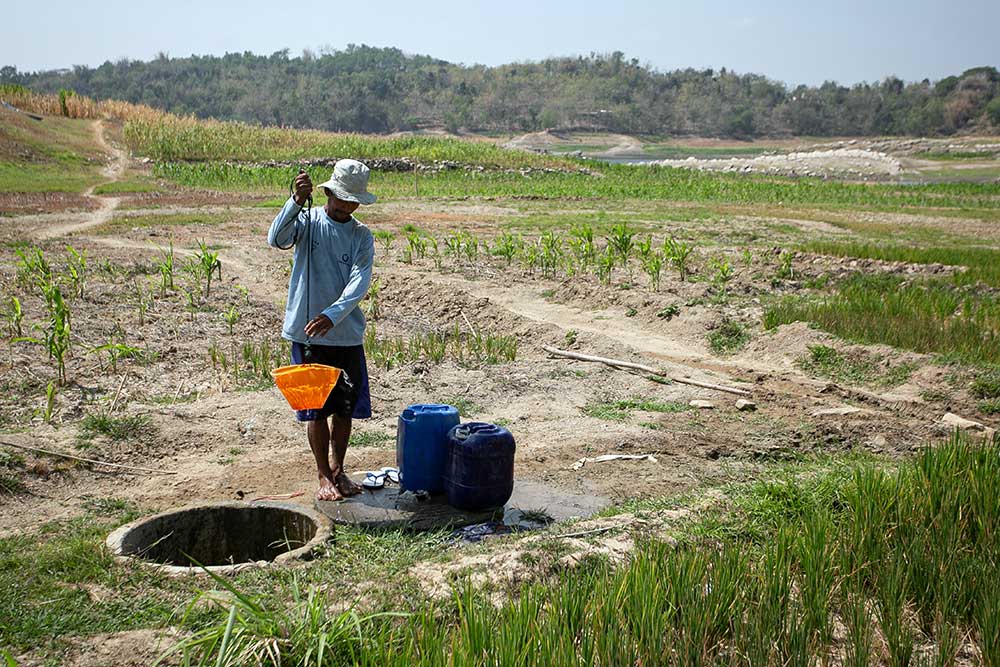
(318, 326)
(303, 188)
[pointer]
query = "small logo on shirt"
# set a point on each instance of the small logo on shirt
(345, 258)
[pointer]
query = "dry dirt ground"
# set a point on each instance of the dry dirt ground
(215, 437)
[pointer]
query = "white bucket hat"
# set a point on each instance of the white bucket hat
(349, 182)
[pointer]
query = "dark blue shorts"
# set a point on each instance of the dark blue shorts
(350, 397)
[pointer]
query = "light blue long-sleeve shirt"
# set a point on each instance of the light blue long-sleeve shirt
(339, 268)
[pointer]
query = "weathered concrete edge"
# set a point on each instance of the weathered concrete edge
(324, 531)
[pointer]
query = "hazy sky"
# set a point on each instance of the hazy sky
(793, 41)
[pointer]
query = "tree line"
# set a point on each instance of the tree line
(378, 90)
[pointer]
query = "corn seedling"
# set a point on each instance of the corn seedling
(206, 262)
(785, 271)
(417, 245)
(77, 268)
(218, 357)
(507, 245)
(15, 316)
(622, 242)
(142, 302)
(374, 290)
(166, 268)
(724, 271)
(747, 256)
(453, 245)
(116, 351)
(652, 264)
(435, 253)
(644, 248)
(678, 253)
(605, 264)
(192, 302)
(385, 237)
(245, 293)
(470, 244)
(551, 252)
(57, 336)
(32, 268)
(530, 255)
(231, 316)
(582, 244)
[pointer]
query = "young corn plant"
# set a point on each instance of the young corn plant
(143, 302)
(166, 268)
(435, 253)
(76, 267)
(14, 316)
(206, 264)
(507, 245)
(622, 241)
(470, 244)
(32, 268)
(724, 271)
(678, 254)
(245, 293)
(453, 245)
(417, 245)
(231, 316)
(644, 248)
(529, 256)
(605, 265)
(57, 336)
(785, 270)
(653, 266)
(116, 351)
(385, 237)
(581, 244)
(374, 311)
(551, 253)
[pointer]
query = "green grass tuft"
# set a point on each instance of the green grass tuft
(728, 337)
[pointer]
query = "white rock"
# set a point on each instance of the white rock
(745, 405)
(953, 420)
(832, 412)
(703, 405)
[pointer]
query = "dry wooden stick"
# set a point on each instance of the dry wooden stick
(118, 393)
(596, 531)
(645, 369)
(92, 461)
(471, 328)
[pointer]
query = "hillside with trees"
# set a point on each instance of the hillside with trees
(378, 90)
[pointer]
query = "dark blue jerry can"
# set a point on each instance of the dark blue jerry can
(480, 470)
(422, 445)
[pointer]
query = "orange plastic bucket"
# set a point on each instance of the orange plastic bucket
(306, 386)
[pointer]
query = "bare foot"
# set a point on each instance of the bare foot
(346, 485)
(328, 489)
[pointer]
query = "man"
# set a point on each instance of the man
(330, 276)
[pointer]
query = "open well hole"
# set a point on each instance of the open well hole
(219, 535)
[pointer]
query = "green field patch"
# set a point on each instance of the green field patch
(862, 559)
(619, 410)
(42, 177)
(614, 182)
(675, 152)
(983, 264)
(856, 368)
(130, 186)
(173, 138)
(958, 155)
(928, 317)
